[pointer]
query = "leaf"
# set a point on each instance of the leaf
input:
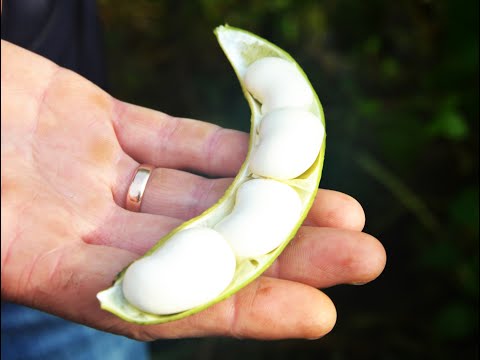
(449, 124)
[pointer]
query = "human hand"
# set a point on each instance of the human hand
(69, 151)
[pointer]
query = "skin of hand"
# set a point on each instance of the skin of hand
(68, 154)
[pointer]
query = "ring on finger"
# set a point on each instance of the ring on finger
(137, 187)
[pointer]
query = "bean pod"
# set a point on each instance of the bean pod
(212, 256)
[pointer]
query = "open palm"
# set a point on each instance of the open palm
(69, 151)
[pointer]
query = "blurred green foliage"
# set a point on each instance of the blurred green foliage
(399, 86)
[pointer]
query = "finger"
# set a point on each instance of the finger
(180, 194)
(164, 141)
(336, 209)
(170, 192)
(266, 309)
(131, 231)
(183, 195)
(322, 257)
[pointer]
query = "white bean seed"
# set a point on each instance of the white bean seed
(289, 142)
(277, 83)
(264, 214)
(192, 268)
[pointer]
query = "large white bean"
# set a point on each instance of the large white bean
(289, 143)
(192, 268)
(277, 83)
(264, 214)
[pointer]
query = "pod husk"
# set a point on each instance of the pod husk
(241, 48)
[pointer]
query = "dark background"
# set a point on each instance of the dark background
(398, 81)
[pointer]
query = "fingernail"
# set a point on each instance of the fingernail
(358, 283)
